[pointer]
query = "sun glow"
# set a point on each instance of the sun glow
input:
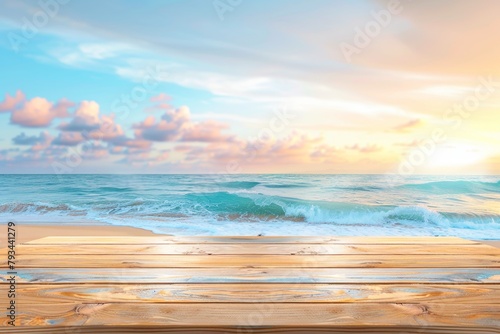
(457, 155)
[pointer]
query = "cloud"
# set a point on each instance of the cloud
(135, 158)
(88, 124)
(38, 143)
(294, 148)
(207, 131)
(145, 158)
(325, 151)
(12, 102)
(164, 130)
(101, 51)
(162, 156)
(370, 148)
(162, 97)
(133, 143)
(117, 150)
(432, 43)
(94, 151)
(62, 107)
(413, 143)
(183, 148)
(37, 112)
(23, 139)
(108, 130)
(408, 126)
(68, 139)
(86, 118)
(5, 154)
(176, 125)
(40, 156)
(161, 102)
(205, 144)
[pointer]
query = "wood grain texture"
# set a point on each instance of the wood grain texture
(142, 240)
(29, 294)
(252, 330)
(262, 261)
(255, 285)
(274, 314)
(262, 249)
(256, 275)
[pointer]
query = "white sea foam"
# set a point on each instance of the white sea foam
(260, 204)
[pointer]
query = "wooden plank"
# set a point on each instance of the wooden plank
(96, 240)
(256, 330)
(262, 249)
(260, 314)
(256, 275)
(263, 261)
(359, 284)
(30, 294)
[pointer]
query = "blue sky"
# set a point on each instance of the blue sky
(222, 72)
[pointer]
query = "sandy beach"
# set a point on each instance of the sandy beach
(27, 232)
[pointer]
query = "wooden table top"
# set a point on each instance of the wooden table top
(167, 284)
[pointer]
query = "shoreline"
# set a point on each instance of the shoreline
(27, 231)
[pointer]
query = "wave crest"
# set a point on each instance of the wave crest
(454, 187)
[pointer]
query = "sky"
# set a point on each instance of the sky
(238, 86)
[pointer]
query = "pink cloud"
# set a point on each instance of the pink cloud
(12, 102)
(117, 150)
(62, 106)
(160, 98)
(108, 130)
(161, 102)
(183, 148)
(87, 124)
(167, 129)
(208, 131)
(176, 125)
(86, 118)
(325, 152)
(294, 148)
(38, 112)
(134, 143)
(408, 126)
(159, 159)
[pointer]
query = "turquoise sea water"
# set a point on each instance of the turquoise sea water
(464, 206)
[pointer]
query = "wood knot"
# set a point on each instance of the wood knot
(415, 309)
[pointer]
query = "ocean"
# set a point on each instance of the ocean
(341, 205)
